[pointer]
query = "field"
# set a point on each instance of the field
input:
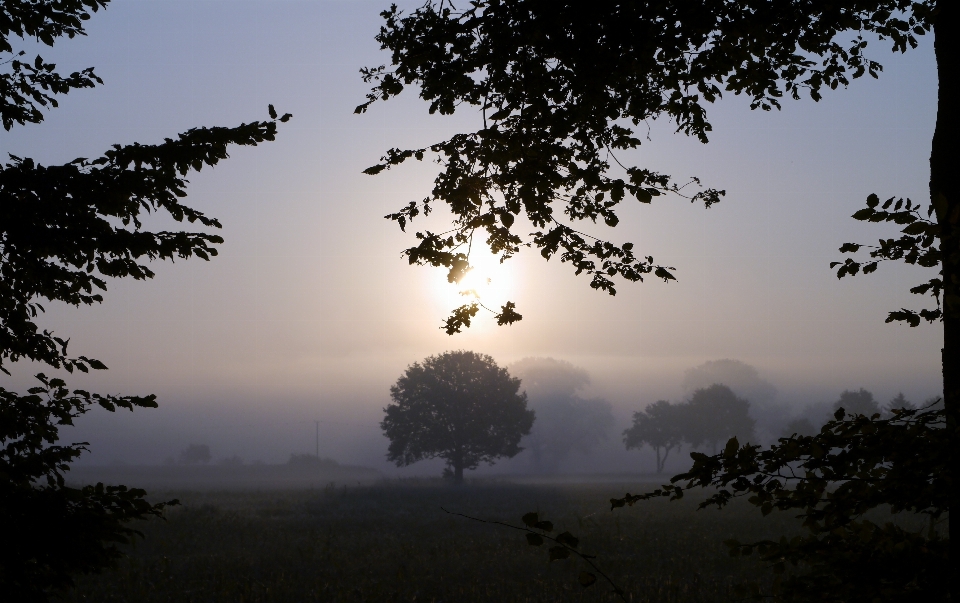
(393, 542)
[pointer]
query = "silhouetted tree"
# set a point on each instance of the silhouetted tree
(458, 406)
(194, 454)
(566, 423)
(658, 425)
(714, 414)
(858, 402)
(64, 230)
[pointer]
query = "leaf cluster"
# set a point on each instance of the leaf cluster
(917, 245)
(32, 85)
(837, 480)
(562, 86)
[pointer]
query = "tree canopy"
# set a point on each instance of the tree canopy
(562, 86)
(458, 406)
(64, 231)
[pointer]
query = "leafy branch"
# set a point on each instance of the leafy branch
(916, 246)
(565, 544)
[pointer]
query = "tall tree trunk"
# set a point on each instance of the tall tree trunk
(458, 472)
(944, 172)
(659, 464)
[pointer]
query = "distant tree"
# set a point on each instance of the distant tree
(194, 454)
(231, 461)
(545, 377)
(899, 402)
(566, 423)
(458, 406)
(801, 426)
(739, 376)
(659, 426)
(65, 230)
(713, 415)
(858, 402)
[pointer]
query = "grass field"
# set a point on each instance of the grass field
(393, 542)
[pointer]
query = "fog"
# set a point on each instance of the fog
(310, 314)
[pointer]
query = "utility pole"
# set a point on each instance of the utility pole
(318, 438)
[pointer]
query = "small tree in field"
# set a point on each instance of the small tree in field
(458, 406)
(657, 425)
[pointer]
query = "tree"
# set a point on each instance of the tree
(566, 422)
(195, 453)
(858, 402)
(714, 414)
(458, 406)
(657, 425)
(64, 230)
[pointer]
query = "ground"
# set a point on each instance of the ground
(392, 541)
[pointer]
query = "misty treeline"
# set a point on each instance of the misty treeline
(714, 414)
(711, 415)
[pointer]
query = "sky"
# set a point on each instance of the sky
(310, 313)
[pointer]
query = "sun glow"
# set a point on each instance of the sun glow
(488, 282)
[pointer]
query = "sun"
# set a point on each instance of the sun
(488, 282)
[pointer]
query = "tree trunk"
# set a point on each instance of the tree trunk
(944, 194)
(458, 472)
(659, 464)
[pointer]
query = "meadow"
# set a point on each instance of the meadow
(393, 542)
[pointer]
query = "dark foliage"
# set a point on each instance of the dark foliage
(917, 246)
(64, 230)
(561, 87)
(840, 481)
(458, 406)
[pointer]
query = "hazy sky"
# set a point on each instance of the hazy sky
(310, 312)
